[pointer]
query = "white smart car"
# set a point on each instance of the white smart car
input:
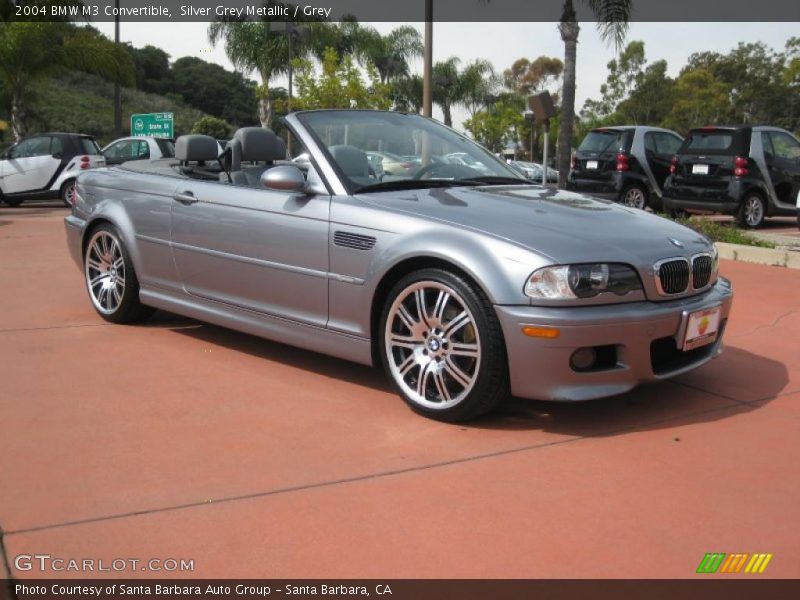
(46, 165)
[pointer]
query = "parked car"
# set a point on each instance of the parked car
(466, 287)
(465, 159)
(750, 172)
(628, 164)
(391, 164)
(138, 148)
(533, 171)
(46, 165)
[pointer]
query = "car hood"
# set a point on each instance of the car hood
(563, 226)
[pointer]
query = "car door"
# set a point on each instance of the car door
(660, 147)
(782, 157)
(258, 249)
(30, 166)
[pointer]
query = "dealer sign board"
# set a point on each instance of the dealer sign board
(153, 124)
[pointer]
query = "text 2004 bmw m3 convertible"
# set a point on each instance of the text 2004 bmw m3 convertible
(466, 283)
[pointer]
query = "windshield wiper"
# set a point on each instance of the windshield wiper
(410, 184)
(493, 179)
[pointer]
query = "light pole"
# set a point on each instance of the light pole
(427, 57)
(117, 90)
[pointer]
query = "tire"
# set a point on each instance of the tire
(110, 278)
(67, 193)
(752, 211)
(454, 345)
(12, 202)
(676, 213)
(635, 196)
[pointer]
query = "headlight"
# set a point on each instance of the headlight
(567, 282)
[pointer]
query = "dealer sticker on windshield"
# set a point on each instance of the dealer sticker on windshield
(591, 164)
(702, 328)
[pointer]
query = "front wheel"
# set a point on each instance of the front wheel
(635, 196)
(442, 347)
(752, 212)
(110, 278)
(67, 193)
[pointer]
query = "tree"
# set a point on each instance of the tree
(526, 77)
(254, 46)
(612, 24)
(30, 51)
(152, 68)
(406, 93)
(477, 82)
(214, 90)
(390, 53)
(216, 128)
(340, 85)
(446, 87)
(496, 126)
(698, 99)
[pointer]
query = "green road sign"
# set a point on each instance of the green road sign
(155, 124)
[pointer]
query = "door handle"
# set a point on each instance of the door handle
(185, 198)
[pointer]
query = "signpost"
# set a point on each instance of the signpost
(153, 124)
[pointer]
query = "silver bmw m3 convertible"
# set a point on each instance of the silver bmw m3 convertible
(465, 282)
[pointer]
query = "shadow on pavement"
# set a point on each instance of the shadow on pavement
(651, 406)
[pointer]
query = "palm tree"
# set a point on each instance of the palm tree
(254, 46)
(31, 51)
(447, 89)
(478, 82)
(612, 24)
(406, 93)
(390, 53)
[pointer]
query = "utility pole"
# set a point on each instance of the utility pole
(427, 72)
(117, 90)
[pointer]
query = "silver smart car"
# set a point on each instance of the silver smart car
(466, 285)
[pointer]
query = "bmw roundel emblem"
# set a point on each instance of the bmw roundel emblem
(675, 242)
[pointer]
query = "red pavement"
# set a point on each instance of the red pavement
(181, 440)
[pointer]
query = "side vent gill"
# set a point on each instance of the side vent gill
(353, 240)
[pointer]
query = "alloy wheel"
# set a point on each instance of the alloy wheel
(105, 272)
(432, 345)
(634, 198)
(753, 211)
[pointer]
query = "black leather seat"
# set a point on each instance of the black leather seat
(353, 162)
(257, 145)
(203, 151)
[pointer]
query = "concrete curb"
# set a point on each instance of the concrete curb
(760, 256)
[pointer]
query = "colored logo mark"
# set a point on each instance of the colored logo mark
(714, 562)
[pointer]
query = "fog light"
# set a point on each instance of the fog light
(583, 359)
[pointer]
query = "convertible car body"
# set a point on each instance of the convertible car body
(465, 285)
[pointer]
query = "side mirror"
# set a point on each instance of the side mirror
(284, 179)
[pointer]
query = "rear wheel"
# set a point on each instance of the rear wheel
(442, 346)
(635, 196)
(67, 193)
(10, 201)
(110, 278)
(752, 212)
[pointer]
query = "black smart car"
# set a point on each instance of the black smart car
(749, 172)
(628, 164)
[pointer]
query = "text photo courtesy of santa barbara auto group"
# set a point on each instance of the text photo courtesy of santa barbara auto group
(432, 299)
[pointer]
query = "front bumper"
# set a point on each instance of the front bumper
(641, 333)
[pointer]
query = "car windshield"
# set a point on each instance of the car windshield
(432, 154)
(89, 146)
(603, 140)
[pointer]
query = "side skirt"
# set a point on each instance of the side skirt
(308, 337)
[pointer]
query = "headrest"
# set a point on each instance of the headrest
(353, 161)
(259, 144)
(196, 148)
